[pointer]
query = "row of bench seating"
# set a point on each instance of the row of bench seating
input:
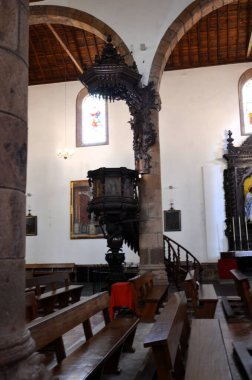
(236, 309)
(101, 350)
(205, 357)
(45, 293)
(202, 297)
(147, 296)
(169, 337)
(240, 306)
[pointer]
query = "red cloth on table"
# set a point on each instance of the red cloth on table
(121, 295)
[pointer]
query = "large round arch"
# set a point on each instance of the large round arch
(185, 21)
(54, 14)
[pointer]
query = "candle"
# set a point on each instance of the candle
(246, 229)
(233, 225)
(239, 220)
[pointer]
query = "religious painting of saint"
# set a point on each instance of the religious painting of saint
(248, 199)
(81, 225)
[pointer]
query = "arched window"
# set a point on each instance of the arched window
(91, 120)
(245, 100)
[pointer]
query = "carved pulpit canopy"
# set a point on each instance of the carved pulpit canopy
(111, 78)
(237, 185)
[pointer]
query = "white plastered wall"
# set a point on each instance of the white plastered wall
(48, 177)
(198, 107)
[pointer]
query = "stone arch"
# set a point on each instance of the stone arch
(188, 18)
(54, 14)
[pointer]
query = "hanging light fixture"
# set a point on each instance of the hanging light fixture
(65, 152)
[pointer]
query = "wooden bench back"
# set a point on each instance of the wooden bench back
(47, 268)
(51, 279)
(30, 306)
(51, 266)
(49, 328)
(242, 287)
(171, 332)
(191, 287)
(141, 284)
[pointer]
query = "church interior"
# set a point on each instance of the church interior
(126, 181)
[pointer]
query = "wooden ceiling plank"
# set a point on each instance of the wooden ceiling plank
(96, 46)
(67, 44)
(78, 49)
(52, 50)
(43, 48)
(65, 48)
(87, 47)
(189, 48)
(199, 42)
(180, 55)
(218, 35)
(237, 30)
(37, 59)
(228, 33)
(249, 28)
(207, 40)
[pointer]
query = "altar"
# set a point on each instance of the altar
(241, 260)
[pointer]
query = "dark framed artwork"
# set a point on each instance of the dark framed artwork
(81, 226)
(31, 225)
(172, 220)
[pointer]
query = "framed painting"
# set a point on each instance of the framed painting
(92, 121)
(31, 225)
(81, 227)
(172, 220)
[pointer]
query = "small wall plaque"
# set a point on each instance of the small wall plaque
(172, 220)
(31, 225)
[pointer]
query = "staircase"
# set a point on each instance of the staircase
(178, 261)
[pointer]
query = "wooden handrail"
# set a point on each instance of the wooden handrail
(172, 255)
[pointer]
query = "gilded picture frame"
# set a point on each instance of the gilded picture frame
(81, 226)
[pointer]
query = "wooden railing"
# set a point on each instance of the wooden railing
(179, 261)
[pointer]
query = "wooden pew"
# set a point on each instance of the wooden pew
(202, 297)
(40, 269)
(243, 288)
(60, 292)
(243, 353)
(207, 356)
(239, 307)
(147, 296)
(101, 351)
(30, 306)
(168, 338)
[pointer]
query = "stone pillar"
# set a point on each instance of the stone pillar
(151, 227)
(17, 357)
